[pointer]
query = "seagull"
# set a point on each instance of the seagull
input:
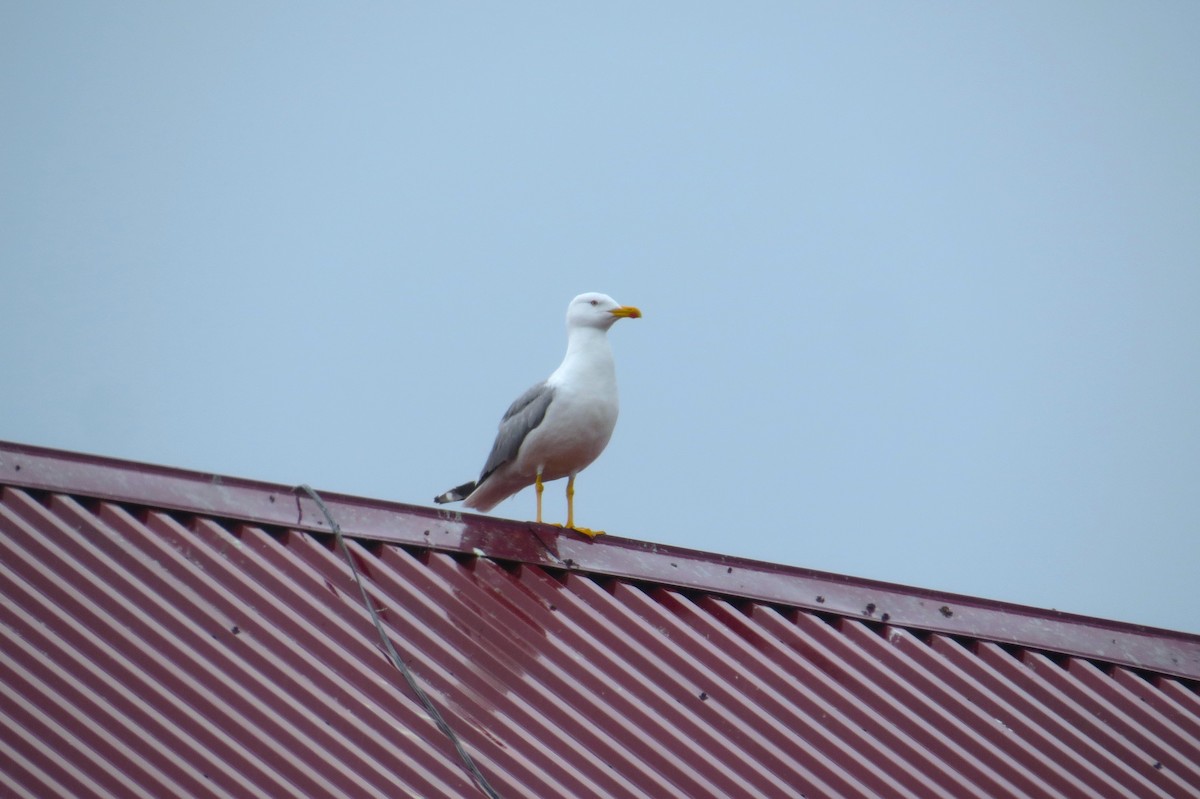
(559, 426)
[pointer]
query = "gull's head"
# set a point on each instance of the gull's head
(598, 310)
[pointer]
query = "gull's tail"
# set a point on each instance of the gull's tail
(455, 494)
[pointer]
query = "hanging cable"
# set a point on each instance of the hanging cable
(432, 710)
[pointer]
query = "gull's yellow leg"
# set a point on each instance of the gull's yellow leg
(571, 511)
(539, 488)
(571, 502)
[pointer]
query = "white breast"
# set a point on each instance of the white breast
(573, 434)
(582, 415)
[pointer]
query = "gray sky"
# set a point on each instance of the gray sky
(920, 280)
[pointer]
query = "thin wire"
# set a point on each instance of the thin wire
(480, 780)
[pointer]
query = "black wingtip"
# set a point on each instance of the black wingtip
(455, 494)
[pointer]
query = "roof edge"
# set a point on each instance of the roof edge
(1132, 645)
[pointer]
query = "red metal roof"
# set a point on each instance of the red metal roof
(168, 633)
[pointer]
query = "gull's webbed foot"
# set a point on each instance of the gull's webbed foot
(581, 530)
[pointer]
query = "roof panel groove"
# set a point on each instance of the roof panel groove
(961, 695)
(269, 637)
(1043, 744)
(109, 764)
(496, 664)
(1054, 688)
(51, 673)
(660, 667)
(874, 683)
(162, 626)
(104, 683)
(1157, 734)
(919, 668)
(731, 691)
(1158, 694)
(795, 696)
(474, 662)
(1185, 696)
(633, 716)
(1091, 765)
(121, 658)
(370, 683)
(1104, 701)
(1092, 713)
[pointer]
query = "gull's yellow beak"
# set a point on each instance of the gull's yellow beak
(626, 311)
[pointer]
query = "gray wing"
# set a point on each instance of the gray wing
(519, 420)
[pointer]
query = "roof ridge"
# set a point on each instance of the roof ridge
(258, 502)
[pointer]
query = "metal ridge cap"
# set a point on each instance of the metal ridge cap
(1122, 643)
(259, 502)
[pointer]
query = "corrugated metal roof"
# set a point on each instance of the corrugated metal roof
(167, 633)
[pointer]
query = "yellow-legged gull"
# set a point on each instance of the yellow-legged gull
(559, 426)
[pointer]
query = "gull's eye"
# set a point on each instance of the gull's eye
(595, 302)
